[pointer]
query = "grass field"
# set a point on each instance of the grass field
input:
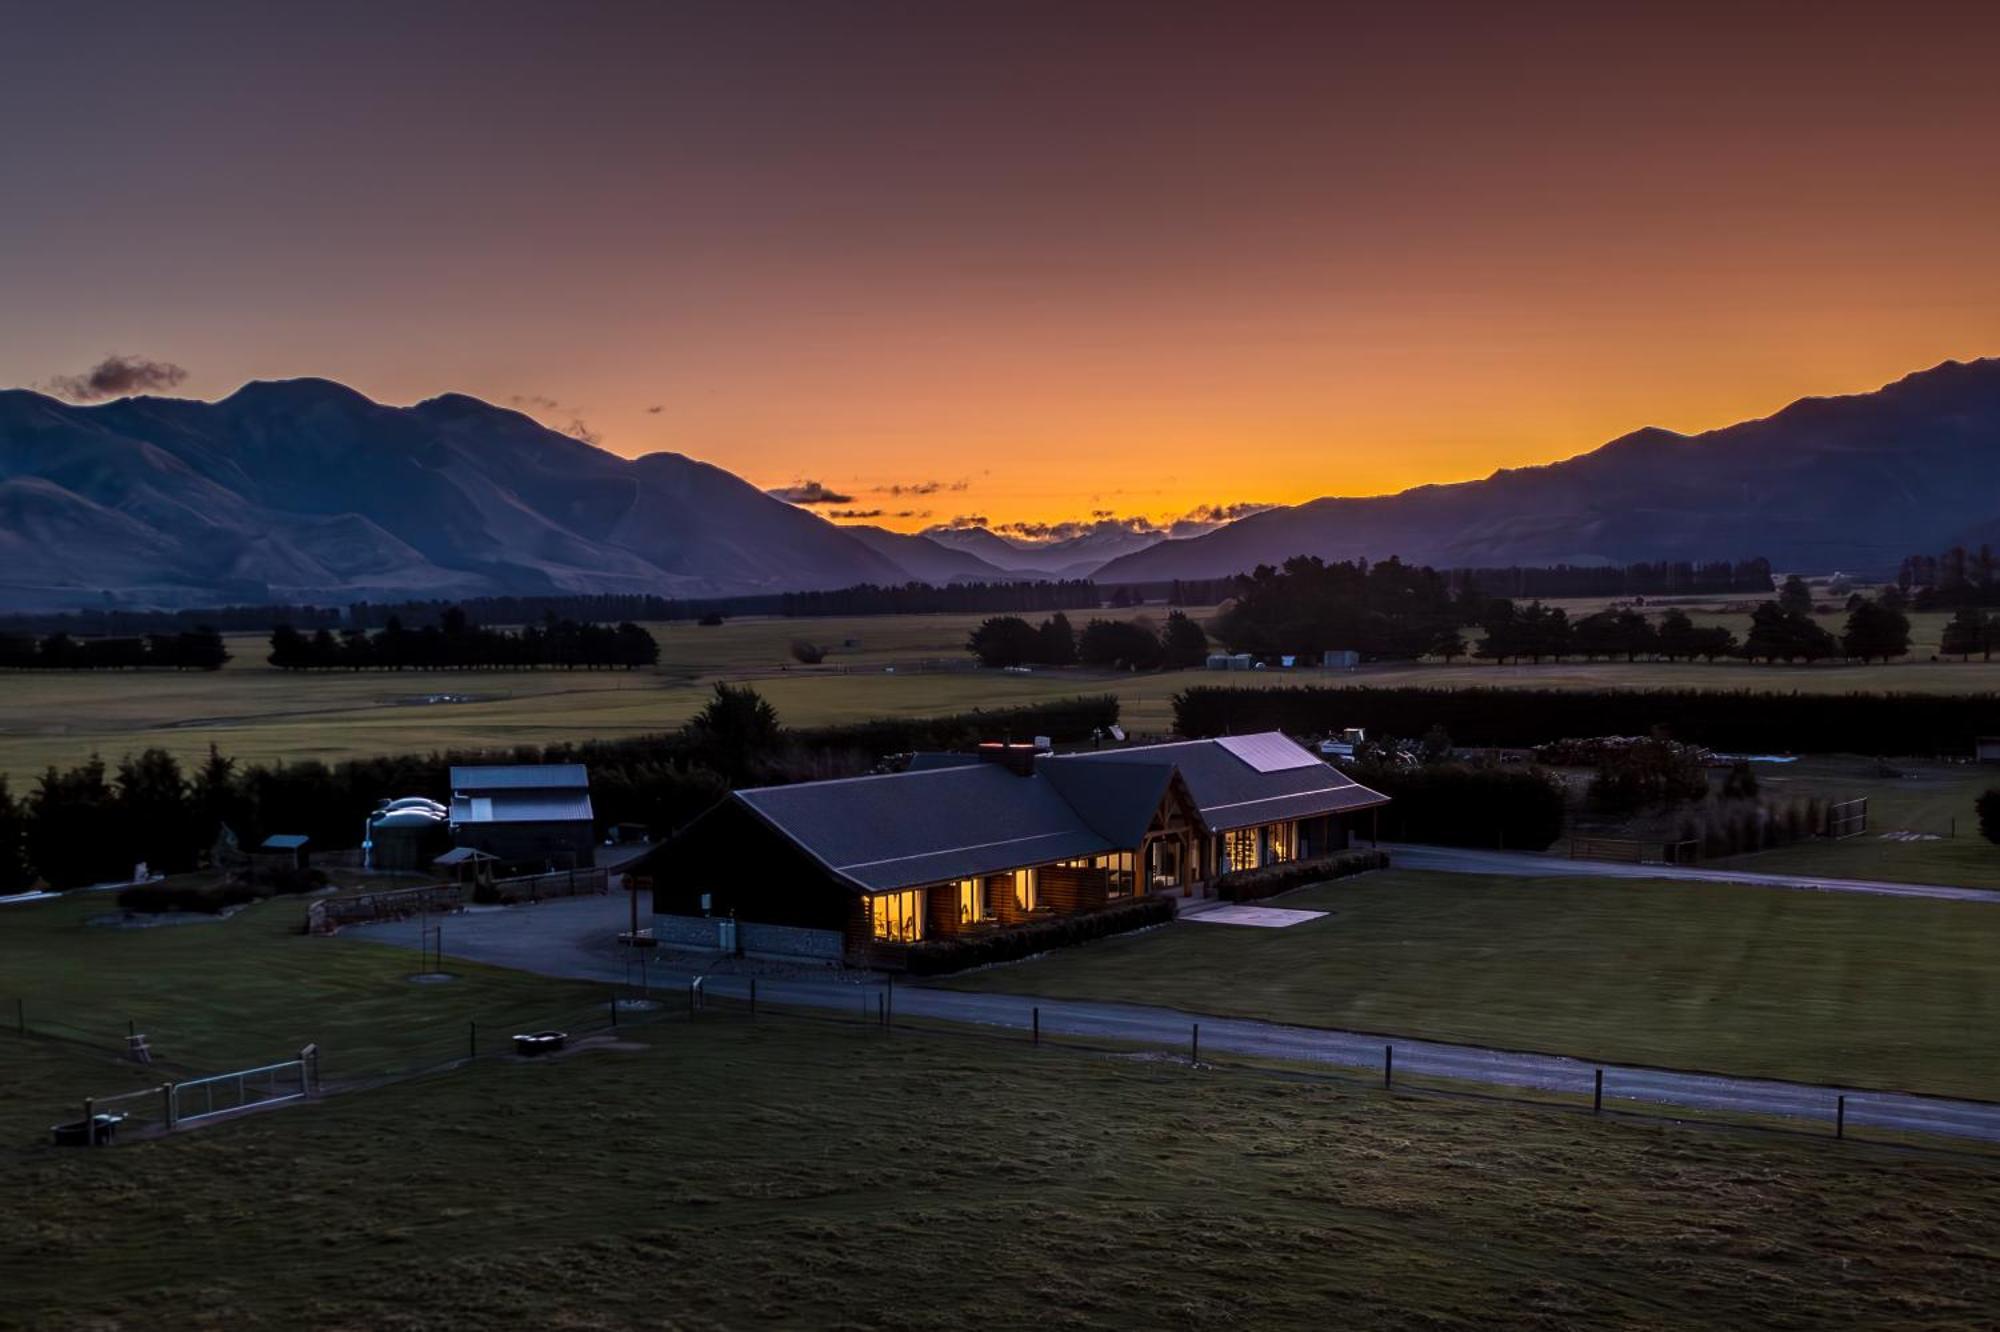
(1930, 802)
(1820, 987)
(260, 714)
(802, 1174)
(250, 989)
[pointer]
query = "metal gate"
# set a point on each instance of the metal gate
(200, 1098)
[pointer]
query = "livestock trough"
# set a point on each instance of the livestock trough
(97, 1131)
(540, 1042)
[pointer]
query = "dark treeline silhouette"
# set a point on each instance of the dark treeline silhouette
(923, 598)
(1384, 610)
(1733, 720)
(1956, 578)
(1393, 611)
(1665, 578)
(198, 649)
(92, 824)
(114, 623)
(1133, 645)
(455, 643)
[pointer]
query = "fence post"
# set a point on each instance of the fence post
(89, 1121)
(1194, 1045)
(1597, 1098)
(613, 1001)
(167, 1105)
(1038, 1024)
(753, 996)
(881, 1012)
(1388, 1065)
(1840, 1117)
(472, 1038)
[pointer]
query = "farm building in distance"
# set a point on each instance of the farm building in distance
(525, 815)
(858, 868)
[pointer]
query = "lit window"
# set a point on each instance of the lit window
(1280, 843)
(971, 901)
(1239, 849)
(898, 917)
(1024, 889)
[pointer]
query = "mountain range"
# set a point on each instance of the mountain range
(304, 490)
(1852, 483)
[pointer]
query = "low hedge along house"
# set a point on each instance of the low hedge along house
(873, 870)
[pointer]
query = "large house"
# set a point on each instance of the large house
(857, 867)
(525, 815)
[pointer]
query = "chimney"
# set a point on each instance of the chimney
(1018, 759)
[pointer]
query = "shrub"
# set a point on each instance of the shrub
(1651, 772)
(807, 654)
(934, 957)
(1988, 808)
(1250, 885)
(153, 898)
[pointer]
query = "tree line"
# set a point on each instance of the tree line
(1740, 720)
(196, 649)
(93, 822)
(455, 643)
(1136, 645)
(1393, 611)
(1660, 578)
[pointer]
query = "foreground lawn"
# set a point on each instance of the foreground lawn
(1822, 987)
(250, 989)
(808, 1174)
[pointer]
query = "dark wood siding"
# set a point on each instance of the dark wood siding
(1071, 888)
(746, 869)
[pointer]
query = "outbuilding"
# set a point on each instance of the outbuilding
(525, 815)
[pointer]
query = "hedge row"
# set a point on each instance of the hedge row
(1742, 720)
(1250, 885)
(934, 957)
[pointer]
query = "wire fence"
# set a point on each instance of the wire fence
(170, 1102)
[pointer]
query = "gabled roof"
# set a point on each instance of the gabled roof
(520, 777)
(1232, 792)
(904, 829)
(1117, 801)
(943, 821)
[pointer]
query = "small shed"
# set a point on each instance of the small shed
(1340, 659)
(466, 864)
(291, 850)
(1986, 749)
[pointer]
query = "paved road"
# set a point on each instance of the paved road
(572, 939)
(1459, 860)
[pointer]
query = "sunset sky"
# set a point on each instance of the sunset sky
(1024, 261)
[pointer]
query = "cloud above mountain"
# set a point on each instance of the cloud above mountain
(116, 376)
(808, 493)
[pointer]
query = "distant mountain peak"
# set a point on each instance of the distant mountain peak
(1853, 482)
(306, 490)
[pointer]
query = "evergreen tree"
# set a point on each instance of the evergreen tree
(1967, 632)
(154, 815)
(1120, 644)
(1056, 641)
(1005, 640)
(72, 838)
(1873, 630)
(214, 800)
(16, 875)
(735, 733)
(1795, 596)
(1183, 644)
